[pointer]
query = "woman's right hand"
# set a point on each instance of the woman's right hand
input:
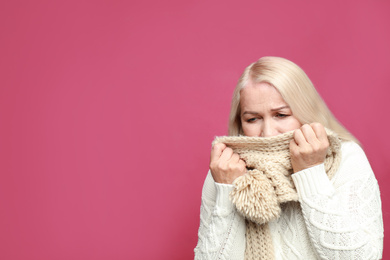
(225, 165)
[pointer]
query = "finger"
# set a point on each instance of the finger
(309, 134)
(320, 132)
(293, 144)
(293, 147)
(235, 158)
(217, 150)
(226, 154)
(299, 138)
(242, 164)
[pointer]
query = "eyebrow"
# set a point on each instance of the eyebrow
(273, 109)
(280, 108)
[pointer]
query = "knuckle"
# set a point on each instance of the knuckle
(325, 146)
(316, 147)
(213, 164)
(223, 166)
(315, 124)
(232, 167)
(228, 149)
(295, 153)
(307, 151)
(218, 146)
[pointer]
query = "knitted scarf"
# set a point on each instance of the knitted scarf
(259, 193)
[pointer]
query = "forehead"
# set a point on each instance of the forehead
(256, 94)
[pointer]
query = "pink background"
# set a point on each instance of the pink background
(108, 110)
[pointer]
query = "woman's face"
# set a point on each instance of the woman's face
(264, 112)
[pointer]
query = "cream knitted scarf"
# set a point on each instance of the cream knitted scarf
(258, 194)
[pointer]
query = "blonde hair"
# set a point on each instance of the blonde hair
(296, 89)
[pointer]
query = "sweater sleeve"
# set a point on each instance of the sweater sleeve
(343, 216)
(221, 233)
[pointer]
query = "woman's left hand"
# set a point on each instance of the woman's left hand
(309, 146)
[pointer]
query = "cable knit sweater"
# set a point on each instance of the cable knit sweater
(334, 219)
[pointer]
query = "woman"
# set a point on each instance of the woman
(338, 218)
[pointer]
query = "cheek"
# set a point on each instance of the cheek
(250, 129)
(292, 124)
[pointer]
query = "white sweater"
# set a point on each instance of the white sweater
(334, 219)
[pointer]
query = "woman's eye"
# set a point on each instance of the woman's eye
(281, 115)
(251, 120)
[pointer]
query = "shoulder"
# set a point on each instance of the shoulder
(351, 147)
(354, 164)
(351, 151)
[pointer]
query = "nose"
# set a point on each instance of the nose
(268, 129)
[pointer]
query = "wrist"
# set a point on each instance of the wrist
(298, 168)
